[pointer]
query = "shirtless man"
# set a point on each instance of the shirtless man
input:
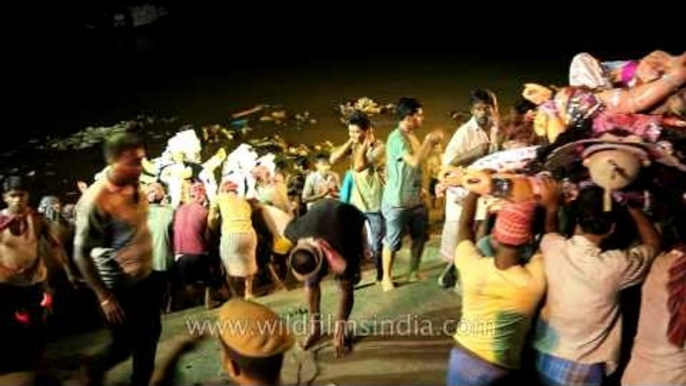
(23, 273)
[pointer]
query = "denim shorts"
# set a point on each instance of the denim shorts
(399, 220)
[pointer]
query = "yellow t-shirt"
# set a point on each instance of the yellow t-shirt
(497, 306)
(235, 213)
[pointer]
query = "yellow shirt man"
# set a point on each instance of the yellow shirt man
(498, 305)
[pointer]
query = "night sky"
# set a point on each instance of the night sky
(65, 76)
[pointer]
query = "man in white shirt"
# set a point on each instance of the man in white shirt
(578, 335)
(473, 140)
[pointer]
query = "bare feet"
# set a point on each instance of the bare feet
(311, 339)
(341, 342)
(280, 286)
(415, 276)
(278, 283)
(387, 285)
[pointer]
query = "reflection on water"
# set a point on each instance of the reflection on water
(207, 88)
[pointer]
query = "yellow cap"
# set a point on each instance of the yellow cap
(253, 330)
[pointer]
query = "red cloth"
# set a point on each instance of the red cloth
(676, 302)
(190, 223)
(6, 220)
(22, 317)
(47, 300)
(646, 126)
(337, 263)
(513, 223)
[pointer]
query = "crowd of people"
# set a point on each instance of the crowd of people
(536, 235)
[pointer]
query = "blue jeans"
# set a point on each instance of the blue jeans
(377, 230)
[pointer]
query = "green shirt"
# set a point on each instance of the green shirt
(368, 184)
(160, 221)
(403, 182)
